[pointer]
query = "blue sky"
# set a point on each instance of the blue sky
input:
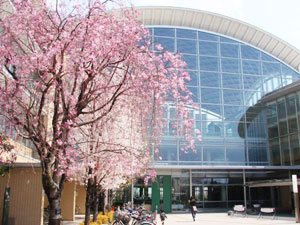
(278, 17)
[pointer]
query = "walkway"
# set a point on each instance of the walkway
(215, 219)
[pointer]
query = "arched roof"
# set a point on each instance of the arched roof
(191, 18)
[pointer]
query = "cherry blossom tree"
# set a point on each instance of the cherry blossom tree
(65, 68)
(110, 153)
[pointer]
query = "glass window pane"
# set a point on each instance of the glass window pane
(252, 82)
(167, 153)
(186, 46)
(271, 68)
(256, 114)
(228, 50)
(251, 67)
(209, 63)
(271, 83)
(281, 110)
(210, 95)
(291, 107)
(167, 43)
(286, 81)
(272, 124)
(231, 129)
(192, 61)
(271, 112)
(274, 152)
(256, 130)
(231, 81)
(231, 65)
(211, 112)
(172, 130)
(233, 113)
(288, 71)
(185, 33)
(214, 153)
(212, 129)
(249, 52)
(257, 152)
(195, 93)
(190, 155)
(194, 79)
(169, 32)
(208, 79)
(208, 48)
(252, 97)
(283, 128)
(266, 57)
(284, 142)
(235, 154)
(295, 149)
(298, 110)
(233, 97)
(207, 36)
(292, 125)
(227, 40)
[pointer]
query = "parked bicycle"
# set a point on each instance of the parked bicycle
(139, 217)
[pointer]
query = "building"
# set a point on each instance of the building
(250, 145)
(245, 81)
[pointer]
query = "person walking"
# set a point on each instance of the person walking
(192, 203)
(163, 216)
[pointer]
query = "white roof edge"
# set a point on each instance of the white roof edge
(258, 43)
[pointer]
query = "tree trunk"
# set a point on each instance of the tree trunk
(53, 189)
(102, 201)
(55, 212)
(95, 205)
(88, 202)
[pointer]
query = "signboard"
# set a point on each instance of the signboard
(295, 183)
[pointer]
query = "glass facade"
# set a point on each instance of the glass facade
(227, 79)
(283, 130)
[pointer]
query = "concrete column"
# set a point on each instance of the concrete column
(80, 199)
(68, 201)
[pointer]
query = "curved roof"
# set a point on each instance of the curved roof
(183, 17)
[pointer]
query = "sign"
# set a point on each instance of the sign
(295, 183)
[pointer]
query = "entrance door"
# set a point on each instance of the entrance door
(161, 193)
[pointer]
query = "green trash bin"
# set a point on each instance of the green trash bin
(6, 206)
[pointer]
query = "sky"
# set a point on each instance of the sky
(278, 17)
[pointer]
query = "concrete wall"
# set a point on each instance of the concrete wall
(80, 199)
(26, 196)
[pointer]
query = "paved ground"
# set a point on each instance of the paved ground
(214, 219)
